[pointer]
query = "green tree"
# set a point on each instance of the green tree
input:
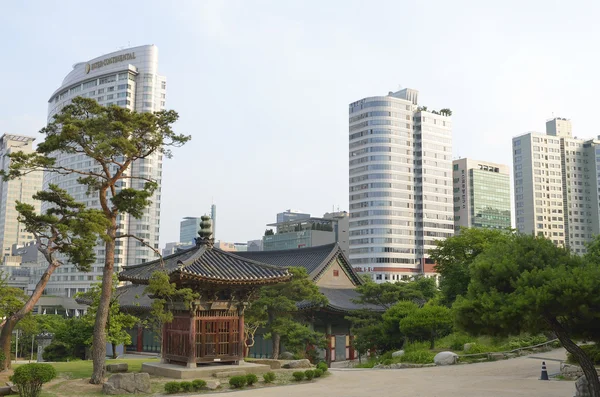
(427, 323)
(278, 304)
(385, 295)
(118, 322)
(67, 228)
(113, 138)
(391, 322)
(453, 257)
(76, 333)
(527, 284)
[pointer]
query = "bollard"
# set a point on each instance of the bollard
(544, 375)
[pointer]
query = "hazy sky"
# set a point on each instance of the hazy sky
(263, 87)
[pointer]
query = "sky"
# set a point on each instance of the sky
(263, 87)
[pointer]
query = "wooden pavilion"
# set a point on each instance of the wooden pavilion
(212, 328)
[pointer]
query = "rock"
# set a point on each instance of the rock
(13, 387)
(445, 358)
(5, 390)
(496, 356)
(304, 363)
(213, 384)
(286, 356)
(127, 383)
(581, 387)
(228, 374)
(115, 368)
(467, 347)
(399, 353)
(274, 364)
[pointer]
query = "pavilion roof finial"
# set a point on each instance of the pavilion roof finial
(205, 232)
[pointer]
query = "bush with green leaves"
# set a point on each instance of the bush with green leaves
(29, 378)
(388, 361)
(237, 382)
(198, 384)
(56, 351)
(322, 366)
(318, 372)
(172, 387)
(251, 379)
(592, 351)
(418, 357)
(309, 374)
(298, 375)
(269, 377)
(186, 386)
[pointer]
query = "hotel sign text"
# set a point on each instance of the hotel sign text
(109, 61)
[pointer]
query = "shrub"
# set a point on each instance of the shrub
(322, 366)
(56, 351)
(172, 387)
(454, 341)
(237, 382)
(30, 377)
(479, 348)
(298, 375)
(269, 377)
(309, 374)
(198, 384)
(251, 379)
(318, 373)
(389, 361)
(186, 386)
(418, 357)
(592, 351)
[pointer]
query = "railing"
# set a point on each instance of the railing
(510, 351)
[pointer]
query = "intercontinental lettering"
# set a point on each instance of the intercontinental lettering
(111, 60)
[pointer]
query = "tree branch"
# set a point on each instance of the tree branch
(141, 240)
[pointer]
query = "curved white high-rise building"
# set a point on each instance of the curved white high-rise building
(400, 174)
(128, 78)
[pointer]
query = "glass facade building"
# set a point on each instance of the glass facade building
(481, 194)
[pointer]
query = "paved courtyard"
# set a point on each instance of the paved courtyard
(515, 377)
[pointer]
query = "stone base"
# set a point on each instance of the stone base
(203, 371)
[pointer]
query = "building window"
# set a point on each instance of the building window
(336, 273)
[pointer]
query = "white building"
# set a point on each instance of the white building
(400, 184)
(128, 78)
(556, 181)
(21, 189)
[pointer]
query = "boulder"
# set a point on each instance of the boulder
(13, 387)
(116, 368)
(304, 363)
(5, 390)
(274, 364)
(496, 356)
(286, 356)
(127, 383)
(581, 387)
(228, 374)
(213, 384)
(399, 353)
(445, 358)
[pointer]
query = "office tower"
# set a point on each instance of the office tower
(481, 194)
(400, 184)
(213, 217)
(22, 189)
(291, 215)
(127, 78)
(556, 179)
(188, 229)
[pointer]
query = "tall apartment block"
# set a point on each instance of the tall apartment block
(481, 194)
(188, 229)
(400, 184)
(128, 78)
(556, 180)
(22, 189)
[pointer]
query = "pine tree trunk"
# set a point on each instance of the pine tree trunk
(276, 341)
(587, 365)
(11, 322)
(99, 338)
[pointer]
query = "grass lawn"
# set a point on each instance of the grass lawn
(83, 369)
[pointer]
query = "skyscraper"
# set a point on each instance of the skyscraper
(188, 229)
(22, 189)
(127, 78)
(481, 194)
(400, 184)
(556, 181)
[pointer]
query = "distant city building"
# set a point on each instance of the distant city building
(481, 194)
(255, 245)
(400, 171)
(213, 217)
(341, 229)
(291, 215)
(130, 79)
(171, 248)
(308, 232)
(21, 189)
(188, 229)
(557, 180)
(225, 246)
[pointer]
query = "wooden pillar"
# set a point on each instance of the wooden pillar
(328, 353)
(241, 336)
(163, 348)
(192, 340)
(140, 339)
